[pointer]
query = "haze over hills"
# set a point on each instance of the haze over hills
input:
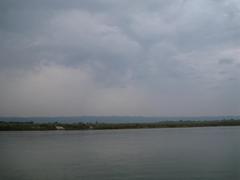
(114, 119)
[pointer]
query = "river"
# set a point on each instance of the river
(210, 153)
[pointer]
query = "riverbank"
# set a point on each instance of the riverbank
(32, 126)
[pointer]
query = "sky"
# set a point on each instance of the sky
(119, 57)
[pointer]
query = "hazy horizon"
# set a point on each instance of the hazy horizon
(154, 58)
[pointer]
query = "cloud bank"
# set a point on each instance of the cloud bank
(107, 57)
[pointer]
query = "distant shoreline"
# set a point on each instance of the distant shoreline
(32, 126)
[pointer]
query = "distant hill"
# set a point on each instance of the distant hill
(113, 119)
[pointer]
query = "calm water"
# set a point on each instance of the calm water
(161, 154)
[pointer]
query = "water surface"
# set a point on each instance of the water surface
(211, 153)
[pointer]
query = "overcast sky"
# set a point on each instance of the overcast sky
(119, 57)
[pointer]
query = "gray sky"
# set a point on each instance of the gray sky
(119, 57)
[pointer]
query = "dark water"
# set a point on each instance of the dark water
(161, 154)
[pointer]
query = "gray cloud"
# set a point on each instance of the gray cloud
(119, 57)
(226, 61)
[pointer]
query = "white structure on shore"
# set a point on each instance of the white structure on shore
(59, 128)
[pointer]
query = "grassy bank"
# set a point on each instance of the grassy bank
(31, 126)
